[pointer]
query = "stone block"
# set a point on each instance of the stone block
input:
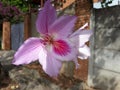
(104, 63)
(107, 17)
(107, 59)
(107, 38)
(106, 80)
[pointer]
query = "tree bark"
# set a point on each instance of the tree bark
(6, 35)
(27, 26)
(83, 12)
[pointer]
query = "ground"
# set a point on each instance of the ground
(32, 77)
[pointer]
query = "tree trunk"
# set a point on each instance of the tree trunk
(27, 26)
(83, 12)
(6, 35)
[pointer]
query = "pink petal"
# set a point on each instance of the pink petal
(49, 63)
(45, 18)
(28, 52)
(84, 52)
(63, 26)
(61, 47)
(84, 36)
(63, 50)
(81, 38)
(79, 30)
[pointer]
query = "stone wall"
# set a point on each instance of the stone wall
(104, 64)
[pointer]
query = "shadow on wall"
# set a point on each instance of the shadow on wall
(102, 80)
(107, 26)
(104, 70)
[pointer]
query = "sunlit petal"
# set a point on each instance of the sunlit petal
(50, 64)
(28, 52)
(84, 52)
(84, 36)
(81, 38)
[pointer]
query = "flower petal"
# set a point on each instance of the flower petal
(28, 52)
(63, 50)
(61, 47)
(81, 38)
(79, 30)
(84, 37)
(49, 64)
(84, 52)
(63, 26)
(45, 18)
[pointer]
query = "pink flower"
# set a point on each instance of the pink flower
(79, 38)
(54, 44)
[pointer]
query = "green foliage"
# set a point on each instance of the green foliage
(22, 5)
(18, 3)
(105, 3)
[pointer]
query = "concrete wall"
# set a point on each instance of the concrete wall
(104, 64)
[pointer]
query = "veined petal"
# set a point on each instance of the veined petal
(45, 18)
(84, 52)
(61, 47)
(63, 26)
(28, 52)
(49, 63)
(63, 50)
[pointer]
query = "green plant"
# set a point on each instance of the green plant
(8, 7)
(8, 12)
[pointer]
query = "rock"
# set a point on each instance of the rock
(31, 79)
(5, 65)
(1, 73)
(26, 78)
(6, 58)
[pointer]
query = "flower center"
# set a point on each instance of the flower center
(60, 47)
(47, 39)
